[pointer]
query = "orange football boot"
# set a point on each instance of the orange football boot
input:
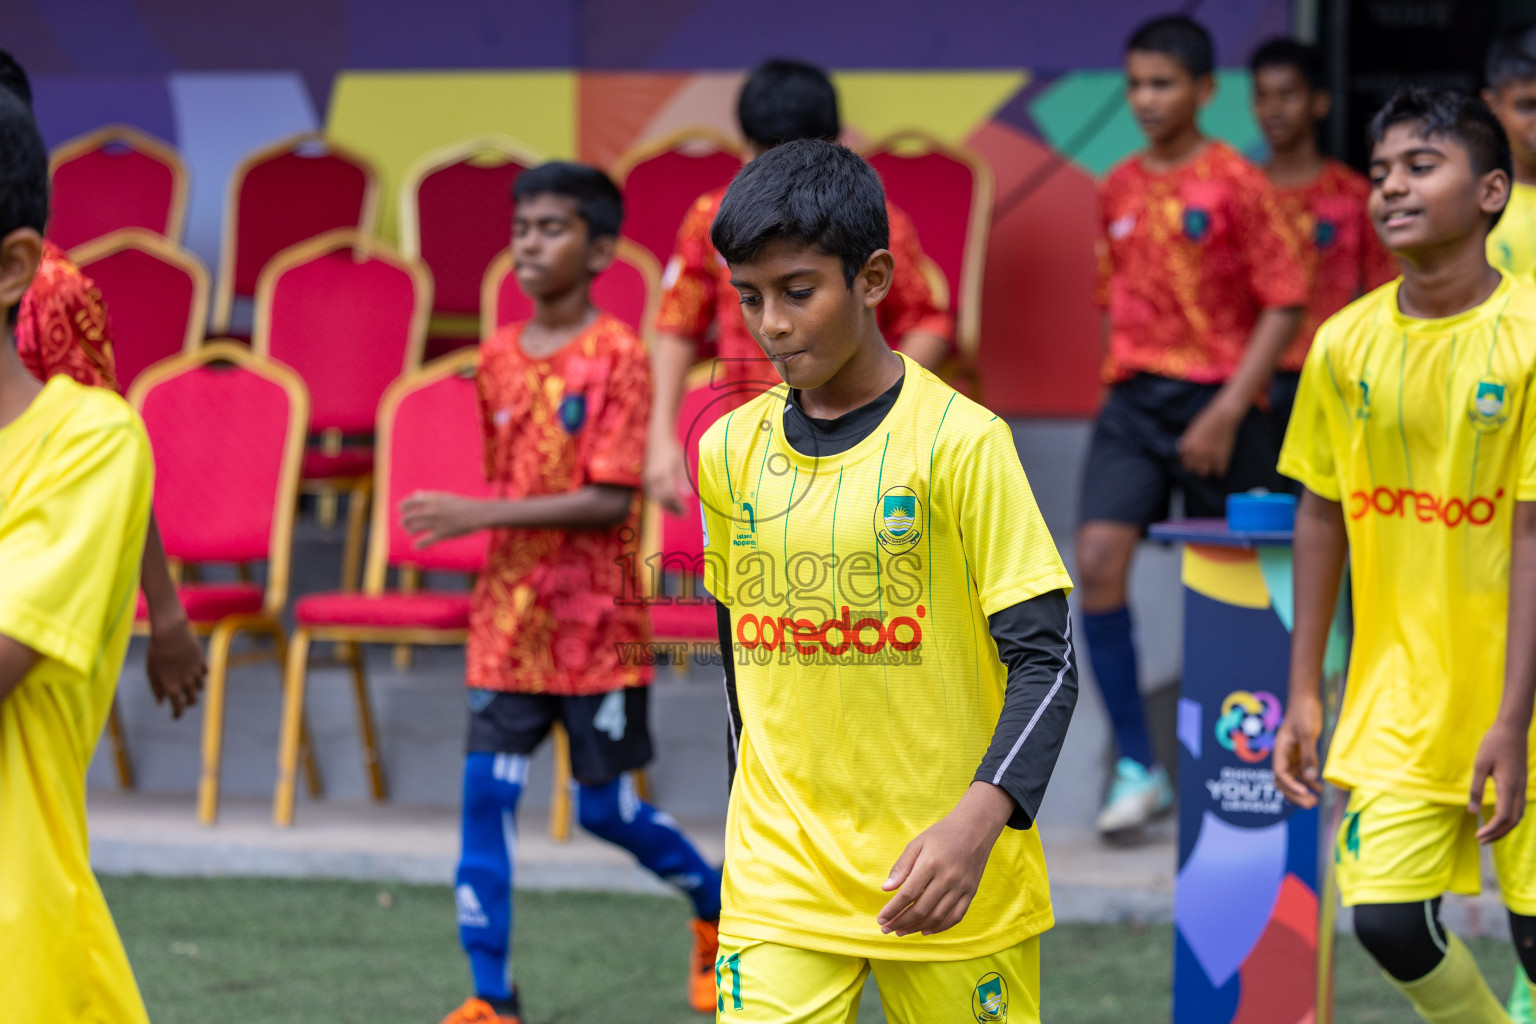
(701, 968)
(478, 1011)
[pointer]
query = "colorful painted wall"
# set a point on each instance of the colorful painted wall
(1031, 85)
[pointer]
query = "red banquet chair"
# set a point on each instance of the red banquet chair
(227, 429)
(456, 217)
(630, 289)
(112, 178)
(673, 546)
(948, 194)
(663, 178)
(157, 293)
(429, 438)
(349, 314)
(288, 192)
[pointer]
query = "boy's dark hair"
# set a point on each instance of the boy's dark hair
(786, 100)
(1447, 114)
(1512, 56)
(23, 173)
(811, 191)
(13, 78)
(598, 200)
(1288, 53)
(1180, 37)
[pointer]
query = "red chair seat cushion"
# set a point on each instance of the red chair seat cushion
(684, 621)
(390, 611)
(207, 603)
(346, 463)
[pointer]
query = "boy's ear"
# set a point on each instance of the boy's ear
(876, 276)
(1493, 191)
(20, 253)
(1490, 98)
(1322, 104)
(600, 253)
(1205, 88)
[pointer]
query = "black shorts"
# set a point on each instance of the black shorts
(1133, 460)
(610, 732)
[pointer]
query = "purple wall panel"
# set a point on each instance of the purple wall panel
(465, 34)
(70, 105)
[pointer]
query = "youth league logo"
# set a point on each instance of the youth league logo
(989, 1000)
(1488, 408)
(899, 519)
(1247, 724)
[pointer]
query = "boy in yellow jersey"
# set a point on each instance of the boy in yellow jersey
(1511, 94)
(893, 612)
(1414, 434)
(75, 480)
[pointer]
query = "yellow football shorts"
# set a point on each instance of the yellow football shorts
(766, 983)
(1393, 849)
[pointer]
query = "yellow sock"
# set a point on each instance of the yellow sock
(1454, 992)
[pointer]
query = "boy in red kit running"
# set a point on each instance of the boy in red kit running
(564, 399)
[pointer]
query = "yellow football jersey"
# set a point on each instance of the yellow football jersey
(869, 686)
(1425, 431)
(75, 482)
(1512, 242)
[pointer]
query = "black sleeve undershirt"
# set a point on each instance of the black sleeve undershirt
(1033, 638)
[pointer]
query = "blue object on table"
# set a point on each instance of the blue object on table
(1261, 512)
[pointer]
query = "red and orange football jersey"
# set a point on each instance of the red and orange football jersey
(556, 611)
(699, 303)
(1343, 257)
(62, 325)
(1188, 260)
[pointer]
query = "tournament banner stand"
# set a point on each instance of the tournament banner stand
(1254, 902)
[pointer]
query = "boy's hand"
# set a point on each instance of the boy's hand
(1206, 445)
(175, 664)
(1502, 758)
(939, 871)
(1295, 760)
(666, 474)
(440, 516)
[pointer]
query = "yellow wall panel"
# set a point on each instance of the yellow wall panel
(950, 105)
(394, 117)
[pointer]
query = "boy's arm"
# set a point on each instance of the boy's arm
(940, 870)
(666, 464)
(16, 660)
(732, 705)
(174, 660)
(1502, 756)
(1034, 641)
(445, 516)
(1206, 446)
(1319, 550)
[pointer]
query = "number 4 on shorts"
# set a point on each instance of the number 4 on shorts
(610, 716)
(732, 964)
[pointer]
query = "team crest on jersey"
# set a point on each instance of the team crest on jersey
(573, 412)
(1325, 233)
(899, 519)
(1121, 227)
(989, 1000)
(1197, 224)
(1488, 408)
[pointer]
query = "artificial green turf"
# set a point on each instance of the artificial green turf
(262, 951)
